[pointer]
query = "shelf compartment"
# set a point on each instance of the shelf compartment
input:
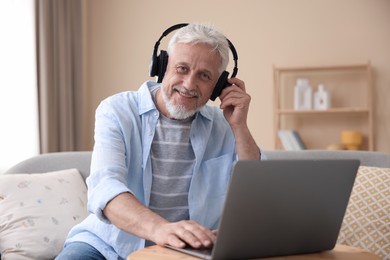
(350, 88)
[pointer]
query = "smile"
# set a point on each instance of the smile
(186, 93)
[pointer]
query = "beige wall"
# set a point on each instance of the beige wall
(121, 34)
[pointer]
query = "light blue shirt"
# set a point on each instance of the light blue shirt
(124, 130)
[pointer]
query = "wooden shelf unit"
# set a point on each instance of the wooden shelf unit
(350, 88)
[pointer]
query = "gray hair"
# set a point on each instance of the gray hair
(200, 33)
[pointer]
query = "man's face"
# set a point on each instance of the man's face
(191, 75)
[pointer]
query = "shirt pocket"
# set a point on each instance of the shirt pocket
(208, 190)
(215, 174)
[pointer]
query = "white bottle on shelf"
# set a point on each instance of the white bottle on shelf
(321, 98)
(302, 95)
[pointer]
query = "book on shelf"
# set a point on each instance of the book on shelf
(291, 140)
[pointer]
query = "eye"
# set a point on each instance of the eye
(181, 69)
(205, 76)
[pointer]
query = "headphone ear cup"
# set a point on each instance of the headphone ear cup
(221, 84)
(162, 65)
(153, 66)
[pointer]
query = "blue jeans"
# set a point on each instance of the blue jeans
(79, 251)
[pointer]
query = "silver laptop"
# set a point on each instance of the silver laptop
(282, 207)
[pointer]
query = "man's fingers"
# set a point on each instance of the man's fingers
(174, 240)
(197, 235)
(236, 81)
(180, 233)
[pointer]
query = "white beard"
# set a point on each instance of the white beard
(178, 112)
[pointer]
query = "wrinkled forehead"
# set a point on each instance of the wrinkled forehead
(201, 52)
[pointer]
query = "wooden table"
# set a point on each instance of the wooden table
(340, 252)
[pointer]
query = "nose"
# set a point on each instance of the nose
(190, 81)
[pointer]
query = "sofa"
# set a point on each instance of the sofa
(42, 197)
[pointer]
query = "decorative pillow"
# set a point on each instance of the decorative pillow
(367, 220)
(37, 211)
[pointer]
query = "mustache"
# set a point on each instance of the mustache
(185, 91)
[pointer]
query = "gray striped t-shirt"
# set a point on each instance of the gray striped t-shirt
(173, 160)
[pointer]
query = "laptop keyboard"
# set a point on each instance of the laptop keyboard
(203, 251)
(199, 252)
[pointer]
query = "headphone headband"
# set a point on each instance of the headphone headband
(235, 57)
(168, 31)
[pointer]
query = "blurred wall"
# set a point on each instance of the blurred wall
(120, 35)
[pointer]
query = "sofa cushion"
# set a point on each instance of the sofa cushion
(38, 210)
(367, 220)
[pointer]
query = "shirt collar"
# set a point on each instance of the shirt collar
(145, 99)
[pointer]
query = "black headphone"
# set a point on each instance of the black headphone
(158, 64)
